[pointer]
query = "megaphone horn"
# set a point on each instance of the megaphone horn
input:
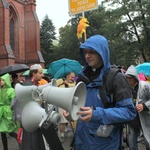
(70, 99)
(33, 116)
(29, 93)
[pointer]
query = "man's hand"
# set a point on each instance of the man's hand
(85, 114)
(139, 107)
(66, 114)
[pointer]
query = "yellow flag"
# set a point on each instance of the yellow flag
(83, 23)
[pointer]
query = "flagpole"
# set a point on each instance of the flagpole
(85, 29)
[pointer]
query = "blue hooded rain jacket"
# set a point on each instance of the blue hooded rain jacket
(123, 111)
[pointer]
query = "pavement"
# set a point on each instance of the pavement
(13, 145)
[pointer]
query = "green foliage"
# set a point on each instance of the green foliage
(131, 24)
(68, 42)
(47, 36)
(125, 23)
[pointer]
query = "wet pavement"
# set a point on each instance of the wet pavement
(13, 145)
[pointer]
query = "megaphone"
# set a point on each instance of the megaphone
(29, 93)
(34, 116)
(70, 99)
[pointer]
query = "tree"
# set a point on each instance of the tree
(47, 37)
(68, 42)
(126, 27)
(133, 24)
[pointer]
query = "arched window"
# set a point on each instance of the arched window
(12, 33)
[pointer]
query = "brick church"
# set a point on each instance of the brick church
(19, 33)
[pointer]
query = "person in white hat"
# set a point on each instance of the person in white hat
(29, 139)
(34, 140)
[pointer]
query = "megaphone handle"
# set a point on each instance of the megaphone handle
(45, 106)
(52, 137)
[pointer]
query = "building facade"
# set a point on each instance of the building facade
(19, 33)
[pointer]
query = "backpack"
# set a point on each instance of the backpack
(107, 88)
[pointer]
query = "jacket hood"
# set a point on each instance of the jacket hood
(6, 78)
(100, 45)
(131, 71)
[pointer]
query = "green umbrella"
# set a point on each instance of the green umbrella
(60, 68)
(26, 73)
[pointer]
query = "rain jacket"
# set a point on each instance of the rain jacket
(123, 111)
(131, 71)
(7, 95)
(144, 98)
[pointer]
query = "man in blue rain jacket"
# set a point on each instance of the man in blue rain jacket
(99, 128)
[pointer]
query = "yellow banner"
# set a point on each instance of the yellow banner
(78, 6)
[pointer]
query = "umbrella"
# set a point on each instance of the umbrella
(141, 77)
(16, 68)
(26, 73)
(62, 67)
(144, 68)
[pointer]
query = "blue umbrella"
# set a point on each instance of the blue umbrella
(60, 68)
(144, 68)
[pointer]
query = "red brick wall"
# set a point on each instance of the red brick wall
(27, 33)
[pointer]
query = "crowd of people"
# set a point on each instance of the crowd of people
(98, 127)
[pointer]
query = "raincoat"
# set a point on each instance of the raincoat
(123, 111)
(7, 95)
(144, 97)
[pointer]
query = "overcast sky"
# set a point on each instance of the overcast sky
(57, 10)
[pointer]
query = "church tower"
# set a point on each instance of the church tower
(19, 33)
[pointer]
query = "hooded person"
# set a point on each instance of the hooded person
(99, 128)
(143, 108)
(134, 125)
(133, 80)
(131, 71)
(7, 124)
